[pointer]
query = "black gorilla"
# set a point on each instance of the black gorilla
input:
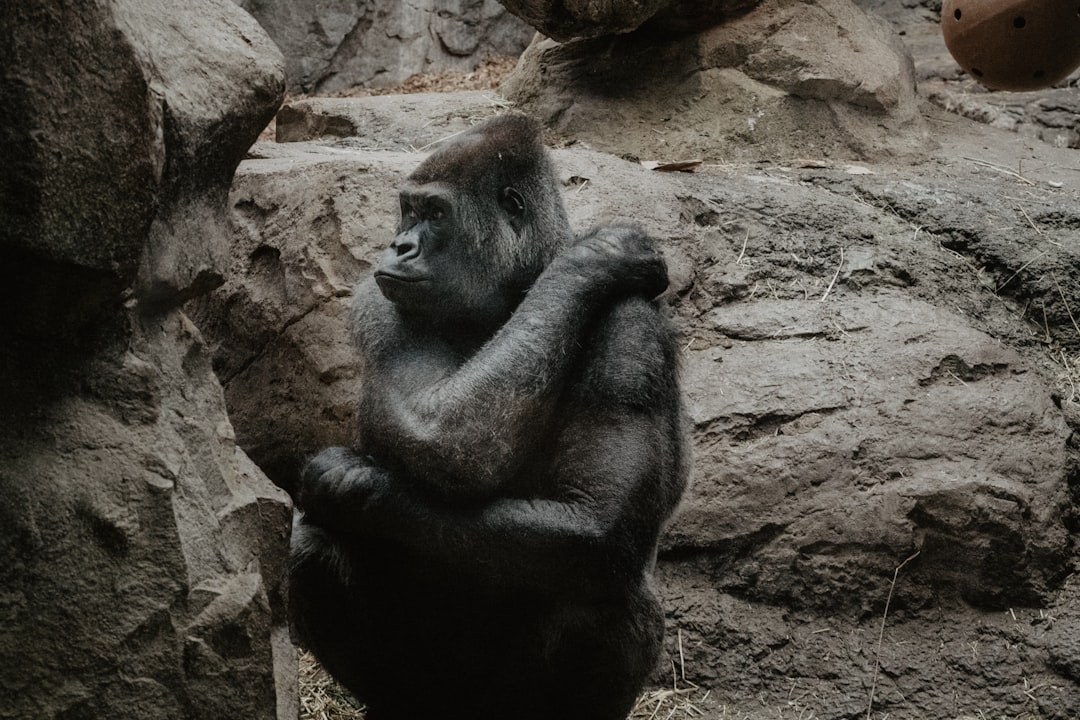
(486, 550)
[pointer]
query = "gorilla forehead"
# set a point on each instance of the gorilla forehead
(484, 159)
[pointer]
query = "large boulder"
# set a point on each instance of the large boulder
(333, 46)
(862, 387)
(570, 19)
(787, 79)
(584, 18)
(141, 552)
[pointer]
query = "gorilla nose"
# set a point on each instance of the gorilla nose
(406, 246)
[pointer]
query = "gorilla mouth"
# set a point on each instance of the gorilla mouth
(382, 276)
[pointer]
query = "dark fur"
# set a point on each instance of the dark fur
(487, 551)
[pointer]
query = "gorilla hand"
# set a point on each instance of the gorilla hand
(626, 256)
(336, 487)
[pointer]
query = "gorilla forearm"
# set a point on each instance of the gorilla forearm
(595, 539)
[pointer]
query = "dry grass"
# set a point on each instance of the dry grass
(321, 698)
(671, 704)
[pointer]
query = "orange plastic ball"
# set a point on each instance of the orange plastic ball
(1013, 44)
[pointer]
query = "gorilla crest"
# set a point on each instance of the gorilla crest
(485, 549)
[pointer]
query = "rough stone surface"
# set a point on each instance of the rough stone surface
(569, 19)
(333, 45)
(304, 230)
(141, 552)
(873, 364)
(388, 122)
(588, 19)
(787, 79)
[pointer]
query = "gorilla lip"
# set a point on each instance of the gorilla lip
(382, 276)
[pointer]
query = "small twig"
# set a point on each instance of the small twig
(682, 660)
(1030, 221)
(999, 168)
(838, 269)
(1019, 270)
(1066, 302)
(881, 633)
(1068, 376)
(956, 377)
(743, 251)
(442, 139)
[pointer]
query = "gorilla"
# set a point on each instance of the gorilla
(485, 550)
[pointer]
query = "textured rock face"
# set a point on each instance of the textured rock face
(584, 18)
(335, 45)
(297, 252)
(842, 438)
(788, 79)
(849, 411)
(572, 19)
(141, 552)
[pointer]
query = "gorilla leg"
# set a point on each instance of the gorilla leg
(366, 610)
(323, 611)
(605, 659)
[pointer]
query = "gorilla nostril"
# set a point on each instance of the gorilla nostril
(957, 14)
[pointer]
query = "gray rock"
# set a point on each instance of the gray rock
(850, 434)
(571, 19)
(582, 19)
(333, 46)
(387, 122)
(787, 79)
(141, 552)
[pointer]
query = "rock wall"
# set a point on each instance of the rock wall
(141, 552)
(784, 80)
(862, 376)
(333, 46)
(572, 19)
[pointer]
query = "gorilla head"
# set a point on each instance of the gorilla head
(480, 219)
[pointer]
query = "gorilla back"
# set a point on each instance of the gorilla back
(486, 549)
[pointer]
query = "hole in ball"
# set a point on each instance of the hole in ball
(956, 13)
(976, 72)
(1019, 23)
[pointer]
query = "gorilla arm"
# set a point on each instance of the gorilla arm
(462, 430)
(614, 472)
(593, 539)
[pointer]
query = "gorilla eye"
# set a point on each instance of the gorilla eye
(438, 214)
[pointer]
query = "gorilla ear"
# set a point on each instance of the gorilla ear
(512, 202)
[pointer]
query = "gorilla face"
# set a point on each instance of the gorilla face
(409, 273)
(443, 265)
